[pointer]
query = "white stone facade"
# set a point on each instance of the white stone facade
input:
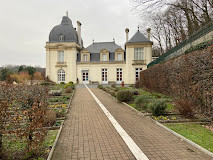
(82, 66)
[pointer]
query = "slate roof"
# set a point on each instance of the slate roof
(95, 49)
(98, 46)
(138, 37)
(66, 29)
(95, 57)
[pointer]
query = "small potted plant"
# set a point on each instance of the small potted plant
(122, 84)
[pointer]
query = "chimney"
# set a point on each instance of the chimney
(127, 34)
(79, 32)
(148, 32)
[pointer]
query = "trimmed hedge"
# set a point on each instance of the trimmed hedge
(125, 95)
(187, 77)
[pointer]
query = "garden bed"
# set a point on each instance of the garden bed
(170, 113)
(170, 116)
(16, 147)
(20, 114)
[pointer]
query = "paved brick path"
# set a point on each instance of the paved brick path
(88, 134)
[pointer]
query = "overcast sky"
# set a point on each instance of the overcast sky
(25, 25)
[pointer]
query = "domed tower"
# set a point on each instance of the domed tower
(61, 51)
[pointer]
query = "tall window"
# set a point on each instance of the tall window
(60, 56)
(119, 57)
(61, 75)
(139, 54)
(104, 57)
(119, 74)
(104, 75)
(137, 73)
(84, 57)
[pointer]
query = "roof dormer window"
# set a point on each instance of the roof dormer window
(61, 38)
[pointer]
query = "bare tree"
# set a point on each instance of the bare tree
(172, 21)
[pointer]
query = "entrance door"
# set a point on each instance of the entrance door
(85, 77)
(104, 76)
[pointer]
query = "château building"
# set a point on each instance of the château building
(101, 62)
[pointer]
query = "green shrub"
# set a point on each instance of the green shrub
(125, 95)
(70, 82)
(100, 86)
(157, 95)
(158, 108)
(67, 85)
(62, 83)
(135, 92)
(142, 101)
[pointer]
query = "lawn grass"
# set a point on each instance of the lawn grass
(196, 133)
(169, 106)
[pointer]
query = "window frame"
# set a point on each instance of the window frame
(139, 54)
(104, 57)
(119, 75)
(85, 57)
(61, 75)
(61, 56)
(119, 58)
(104, 76)
(61, 38)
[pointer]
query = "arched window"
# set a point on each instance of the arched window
(84, 57)
(61, 75)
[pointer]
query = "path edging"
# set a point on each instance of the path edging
(175, 133)
(58, 135)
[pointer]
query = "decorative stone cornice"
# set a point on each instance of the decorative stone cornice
(61, 64)
(62, 46)
(139, 62)
(135, 45)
